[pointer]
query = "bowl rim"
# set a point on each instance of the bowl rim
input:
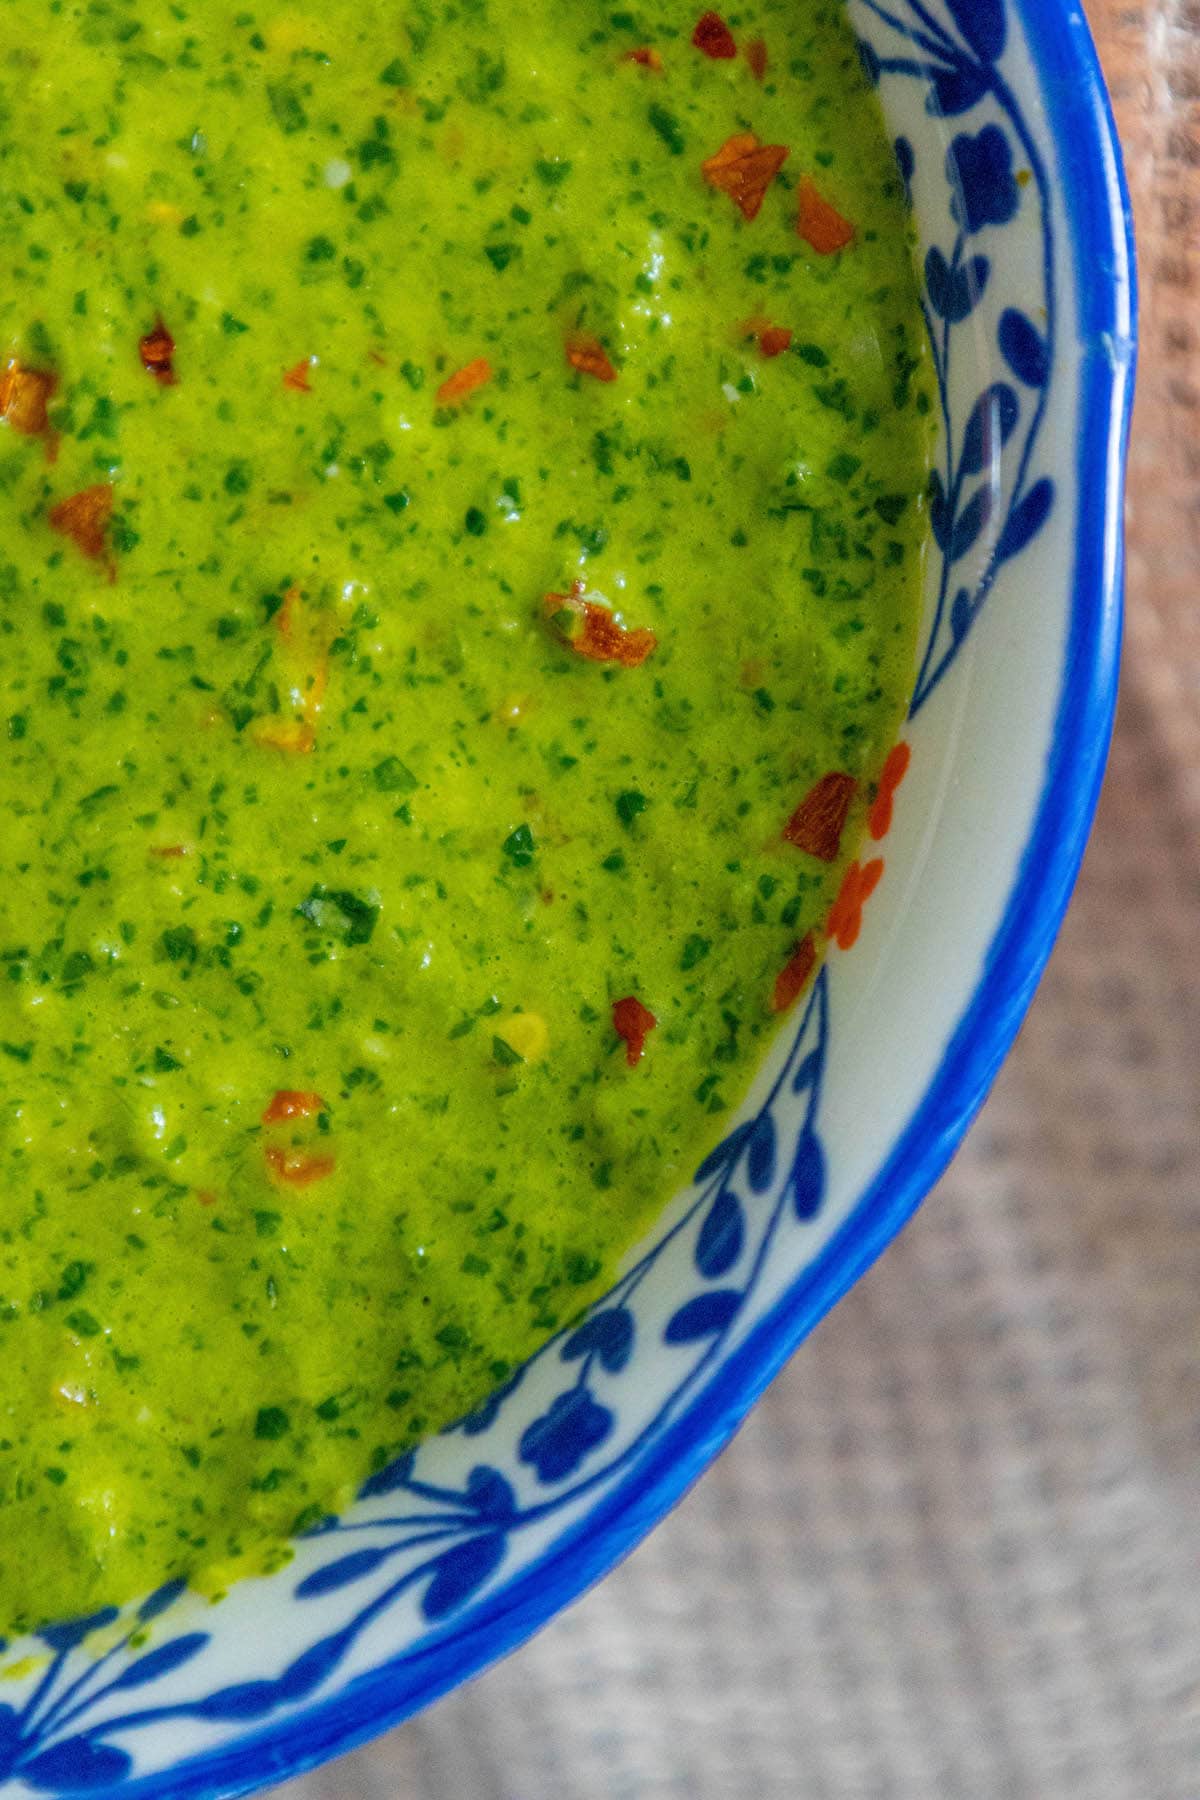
(1091, 175)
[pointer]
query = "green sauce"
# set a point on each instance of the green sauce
(308, 791)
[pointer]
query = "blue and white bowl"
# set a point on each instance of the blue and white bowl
(457, 1552)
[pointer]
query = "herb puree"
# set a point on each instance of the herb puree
(462, 471)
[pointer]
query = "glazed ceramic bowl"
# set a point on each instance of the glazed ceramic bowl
(457, 1552)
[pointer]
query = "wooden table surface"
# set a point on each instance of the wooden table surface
(1151, 55)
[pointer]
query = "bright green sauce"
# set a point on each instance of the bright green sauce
(199, 1354)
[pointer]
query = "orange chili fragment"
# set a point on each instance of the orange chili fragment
(304, 659)
(846, 915)
(756, 56)
(774, 340)
(296, 736)
(296, 377)
(455, 389)
(285, 617)
(206, 1197)
(713, 36)
(289, 1104)
(168, 850)
(744, 169)
(25, 395)
(879, 819)
(157, 351)
(590, 630)
(819, 223)
(84, 519)
(299, 1168)
(793, 977)
(649, 59)
(588, 355)
(632, 1022)
(817, 824)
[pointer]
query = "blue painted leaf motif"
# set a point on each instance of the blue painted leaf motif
(760, 1162)
(461, 1572)
(1026, 519)
(313, 1666)
(608, 1335)
(703, 1317)
(557, 1443)
(76, 1766)
(937, 281)
(869, 57)
(341, 1573)
(906, 162)
(1024, 348)
(244, 1700)
(397, 1475)
(956, 90)
(970, 522)
(10, 1740)
(160, 1600)
(71, 1633)
(721, 1236)
(960, 615)
(163, 1660)
(954, 293)
(984, 189)
(969, 287)
(992, 422)
(982, 25)
(726, 1152)
(808, 1073)
(941, 520)
(808, 1177)
(489, 1493)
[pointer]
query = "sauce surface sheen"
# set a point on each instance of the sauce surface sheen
(383, 942)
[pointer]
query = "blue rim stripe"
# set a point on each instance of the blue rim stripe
(1099, 217)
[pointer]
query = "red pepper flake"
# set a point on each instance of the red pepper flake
(756, 56)
(299, 1168)
(647, 57)
(588, 355)
(879, 819)
(744, 169)
(289, 1104)
(157, 351)
(792, 979)
(846, 915)
(296, 378)
(456, 388)
(84, 519)
(25, 395)
(165, 851)
(590, 630)
(817, 824)
(632, 1022)
(819, 223)
(206, 1197)
(774, 340)
(713, 36)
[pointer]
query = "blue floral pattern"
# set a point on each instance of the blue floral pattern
(986, 503)
(563, 1431)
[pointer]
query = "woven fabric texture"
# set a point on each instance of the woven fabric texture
(954, 1553)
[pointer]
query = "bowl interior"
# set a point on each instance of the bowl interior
(457, 1551)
